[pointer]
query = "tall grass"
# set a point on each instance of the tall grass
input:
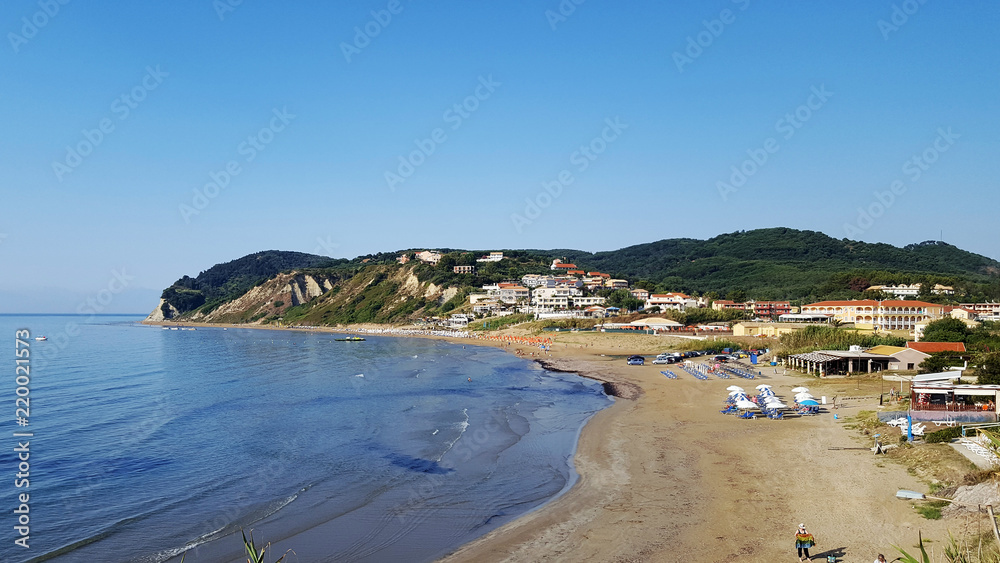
(815, 338)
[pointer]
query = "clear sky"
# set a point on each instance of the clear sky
(647, 110)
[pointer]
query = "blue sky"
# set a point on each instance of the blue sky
(697, 90)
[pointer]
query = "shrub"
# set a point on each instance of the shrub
(946, 435)
(279, 303)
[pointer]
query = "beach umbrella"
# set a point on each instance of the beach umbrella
(803, 396)
(809, 403)
(777, 405)
(745, 405)
(734, 388)
(800, 390)
(763, 386)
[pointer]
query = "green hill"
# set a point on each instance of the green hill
(776, 263)
(783, 263)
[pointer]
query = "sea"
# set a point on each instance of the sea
(143, 444)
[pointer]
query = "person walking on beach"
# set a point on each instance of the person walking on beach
(880, 558)
(803, 541)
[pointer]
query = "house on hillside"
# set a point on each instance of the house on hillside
(429, 257)
(675, 301)
(640, 294)
(771, 308)
(491, 257)
(726, 305)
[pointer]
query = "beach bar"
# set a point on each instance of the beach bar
(952, 397)
(839, 362)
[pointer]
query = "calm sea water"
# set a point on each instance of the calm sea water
(148, 442)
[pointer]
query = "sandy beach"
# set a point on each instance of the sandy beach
(665, 477)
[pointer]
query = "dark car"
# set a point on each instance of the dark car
(636, 360)
(722, 358)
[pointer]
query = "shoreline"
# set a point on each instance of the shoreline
(662, 473)
(616, 391)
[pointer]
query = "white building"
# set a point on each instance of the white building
(580, 301)
(553, 297)
(459, 320)
(492, 257)
(675, 301)
(535, 280)
(911, 290)
(429, 257)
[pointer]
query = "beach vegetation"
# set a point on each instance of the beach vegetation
(814, 338)
(907, 558)
(255, 555)
(931, 510)
(497, 323)
(944, 435)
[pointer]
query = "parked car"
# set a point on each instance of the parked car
(666, 359)
(721, 358)
(636, 360)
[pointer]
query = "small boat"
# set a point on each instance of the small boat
(350, 339)
(41, 338)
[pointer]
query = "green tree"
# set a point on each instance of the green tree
(646, 284)
(946, 330)
(988, 368)
(737, 295)
(941, 361)
(448, 262)
(622, 299)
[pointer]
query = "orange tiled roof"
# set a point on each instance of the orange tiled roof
(872, 303)
(931, 347)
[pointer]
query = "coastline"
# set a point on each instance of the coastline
(662, 473)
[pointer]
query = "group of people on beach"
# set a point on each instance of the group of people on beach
(805, 540)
